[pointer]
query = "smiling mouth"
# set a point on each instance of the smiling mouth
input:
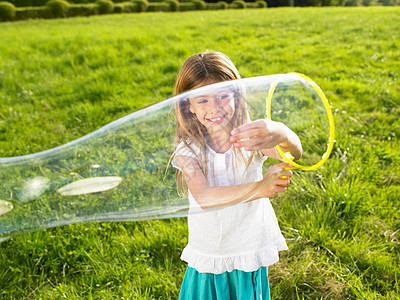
(215, 120)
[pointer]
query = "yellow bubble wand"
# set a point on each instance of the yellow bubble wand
(286, 155)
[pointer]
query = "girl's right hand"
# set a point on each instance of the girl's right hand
(271, 185)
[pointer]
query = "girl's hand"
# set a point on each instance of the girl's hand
(278, 185)
(259, 134)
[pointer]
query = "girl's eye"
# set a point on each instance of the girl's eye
(202, 101)
(223, 97)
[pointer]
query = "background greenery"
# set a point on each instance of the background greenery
(61, 79)
(13, 10)
(51, 9)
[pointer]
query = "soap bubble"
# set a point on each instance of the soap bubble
(5, 207)
(33, 188)
(122, 172)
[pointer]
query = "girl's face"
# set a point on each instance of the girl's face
(214, 111)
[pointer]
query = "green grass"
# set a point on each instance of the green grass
(62, 79)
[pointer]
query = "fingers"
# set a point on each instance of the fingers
(282, 165)
(280, 182)
(246, 133)
(287, 175)
(278, 179)
(248, 127)
(254, 143)
(280, 186)
(283, 182)
(275, 189)
(257, 135)
(279, 168)
(272, 185)
(280, 189)
(249, 130)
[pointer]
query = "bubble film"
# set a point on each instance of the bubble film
(122, 172)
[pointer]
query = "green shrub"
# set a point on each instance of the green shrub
(124, 7)
(369, 2)
(77, 1)
(199, 4)
(31, 12)
(158, 6)
(117, 8)
(7, 11)
(389, 2)
(222, 5)
(352, 3)
(238, 4)
(57, 8)
(212, 6)
(173, 5)
(140, 5)
(186, 6)
(84, 10)
(261, 4)
(104, 7)
(256, 4)
(28, 3)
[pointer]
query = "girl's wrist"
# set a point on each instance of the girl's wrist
(285, 142)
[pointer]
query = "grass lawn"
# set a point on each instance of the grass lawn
(62, 79)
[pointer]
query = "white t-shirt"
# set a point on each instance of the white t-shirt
(243, 237)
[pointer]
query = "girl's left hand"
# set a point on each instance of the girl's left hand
(259, 134)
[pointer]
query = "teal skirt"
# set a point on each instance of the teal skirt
(229, 285)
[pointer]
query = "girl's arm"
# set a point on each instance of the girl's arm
(265, 135)
(217, 196)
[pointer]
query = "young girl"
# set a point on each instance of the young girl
(219, 156)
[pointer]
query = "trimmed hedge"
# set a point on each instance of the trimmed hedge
(186, 6)
(222, 5)
(238, 4)
(57, 8)
(353, 3)
(63, 9)
(158, 6)
(199, 4)
(29, 3)
(31, 12)
(212, 6)
(256, 4)
(83, 10)
(261, 4)
(124, 7)
(140, 5)
(7, 11)
(104, 7)
(173, 4)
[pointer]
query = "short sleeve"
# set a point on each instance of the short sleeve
(259, 158)
(183, 150)
(262, 158)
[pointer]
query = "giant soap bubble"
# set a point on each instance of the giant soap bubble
(121, 171)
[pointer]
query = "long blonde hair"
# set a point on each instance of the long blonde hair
(202, 69)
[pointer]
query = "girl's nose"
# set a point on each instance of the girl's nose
(214, 105)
